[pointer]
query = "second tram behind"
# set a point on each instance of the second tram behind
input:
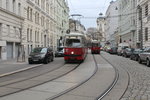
(75, 47)
(95, 47)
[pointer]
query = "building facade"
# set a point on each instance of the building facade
(101, 22)
(111, 22)
(75, 25)
(128, 22)
(11, 27)
(25, 24)
(143, 23)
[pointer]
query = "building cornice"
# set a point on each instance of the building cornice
(143, 2)
(11, 13)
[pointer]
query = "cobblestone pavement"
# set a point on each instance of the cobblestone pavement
(139, 85)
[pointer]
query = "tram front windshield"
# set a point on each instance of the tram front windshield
(73, 43)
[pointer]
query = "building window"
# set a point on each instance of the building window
(8, 29)
(28, 35)
(139, 35)
(43, 4)
(41, 38)
(14, 6)
(19, 8)
(47, 24)
(37, 2)
(38, 36)
(42, 20)
(146, 34)
(37, 18)
(7, 4)
(35, 36)
(15, 32)
(47, 8)
(31, 35)
(29, 13)
(146, 10)
(0, 28)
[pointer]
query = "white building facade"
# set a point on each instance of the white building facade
(11, 26)
(31, 23)
(101, 22)
(143, 37)
(128, 22)
(111, 21)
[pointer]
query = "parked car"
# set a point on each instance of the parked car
(127, 52)
(145, 56)
(41, 54)
(121, 48)
(113, 50)
(135, 54)
(59, 52)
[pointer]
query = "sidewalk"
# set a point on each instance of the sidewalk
(13, 61)
(11, 65)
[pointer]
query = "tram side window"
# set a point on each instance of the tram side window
(95, 44)
(73, 42)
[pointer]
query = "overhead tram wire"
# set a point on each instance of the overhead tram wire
(111, 16)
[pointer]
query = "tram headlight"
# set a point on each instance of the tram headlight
(72, 52)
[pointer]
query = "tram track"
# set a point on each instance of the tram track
(96, 71)
(96, 87)
(118, 77)
(112, 84)
(78, 85)
(63, 70)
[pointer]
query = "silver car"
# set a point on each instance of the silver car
(145, 56)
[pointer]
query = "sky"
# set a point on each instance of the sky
(89, 9)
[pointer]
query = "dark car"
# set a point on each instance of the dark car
(135, 54)
(41, 54)
(145, 56)
(128, 52)
(113, 50)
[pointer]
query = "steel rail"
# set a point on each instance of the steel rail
(112, 84)
(63, 74)
(70, 89)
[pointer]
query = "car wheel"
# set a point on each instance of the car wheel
(46, 61)
(136, 58)
(131, 57)
(30, 62)
(139, 60)
(52, 59)
(148, 63)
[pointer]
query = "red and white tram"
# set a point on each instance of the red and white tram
(95, 47)
(75, 47)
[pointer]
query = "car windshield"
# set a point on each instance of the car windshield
(39, 50)
(60, 49)
(73, 42)
(138, 50)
